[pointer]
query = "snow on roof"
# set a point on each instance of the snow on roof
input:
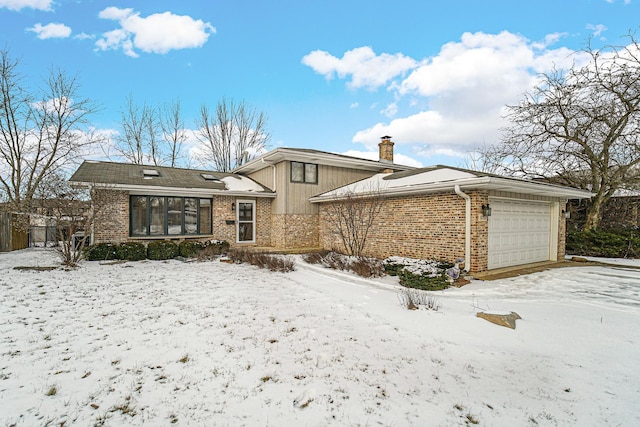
(387, 182)
(241, 183)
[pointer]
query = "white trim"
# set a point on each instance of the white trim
(145, 190)
(553, 238)
(253, 209)
(467, 227)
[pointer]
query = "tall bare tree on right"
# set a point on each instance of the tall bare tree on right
(579, 127)
(232, 135)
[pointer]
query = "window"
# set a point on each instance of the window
(169, 216)
(304, 172)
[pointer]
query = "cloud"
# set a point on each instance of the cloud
(31, 4)
(158, 33)
(365, 68)
(455, 100)
(51, 31)
(597, 29)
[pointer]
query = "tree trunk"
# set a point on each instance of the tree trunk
(594, 213)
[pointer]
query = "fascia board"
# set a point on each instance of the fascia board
(489, 183)
(174, 191)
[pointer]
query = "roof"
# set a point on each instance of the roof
(140, 178)
(444, 178)
(316, 156)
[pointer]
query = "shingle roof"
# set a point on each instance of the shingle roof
(125, 174)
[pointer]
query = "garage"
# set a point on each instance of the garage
(519, 232)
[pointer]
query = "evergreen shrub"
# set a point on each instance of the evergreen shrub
(604, 243)
(131, 251)
(190, 249)
(101, 252)
(162, 249)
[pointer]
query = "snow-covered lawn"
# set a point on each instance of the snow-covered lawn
(157, 343)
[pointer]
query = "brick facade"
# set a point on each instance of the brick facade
(111, 219)
(294, 231)
(111, 216)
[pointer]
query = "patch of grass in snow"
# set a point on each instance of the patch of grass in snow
(412, 299)
(125, 408)
(184, 359)
(52, 390)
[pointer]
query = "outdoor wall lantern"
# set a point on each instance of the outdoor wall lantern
(566, 214)
(233, 206)
(486, 210)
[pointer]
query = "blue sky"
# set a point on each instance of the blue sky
(330, 75)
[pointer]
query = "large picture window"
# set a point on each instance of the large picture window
(169, 216)
(304, 172)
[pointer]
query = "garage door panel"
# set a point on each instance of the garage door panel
(519, 232)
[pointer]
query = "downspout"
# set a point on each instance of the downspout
(467, 227)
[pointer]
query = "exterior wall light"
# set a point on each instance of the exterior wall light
(486, 210)
(566, 214)
(233, 206)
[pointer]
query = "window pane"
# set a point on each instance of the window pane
(245, 232)
(297, 172)
(310, 172)
(157, 215)
(245, 211)
(205, 216)
(174, 215)
(190, 216)
(139, 216)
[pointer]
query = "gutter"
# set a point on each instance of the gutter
(467, 227)
(174, 191)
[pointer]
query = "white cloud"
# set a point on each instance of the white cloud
(354, 105)
(597, 29)
(365, 68)
(157, 33)
(31, 4)
(455, 100)
(390, 110)
(51, 31)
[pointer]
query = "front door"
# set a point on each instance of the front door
(246, 221)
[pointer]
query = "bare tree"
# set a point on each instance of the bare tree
(173, 132)
(579, 127)
(231, 136)
(151, 135)
(40, 134)
(138, 141)
(351, 215)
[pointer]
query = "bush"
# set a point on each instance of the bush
(190, 249)
(282, 264)
(428, 275)
(213, 249)
(101, 252)
(131, 251)
(367, 267)
(604, 243)
(160, 250)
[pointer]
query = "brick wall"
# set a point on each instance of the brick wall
(111, 216)
(294, 231)
(111, 220)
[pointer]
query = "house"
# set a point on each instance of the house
(282, 200)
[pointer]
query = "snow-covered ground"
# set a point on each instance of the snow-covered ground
(157, 343)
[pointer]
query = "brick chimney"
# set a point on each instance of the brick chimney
(386, 152)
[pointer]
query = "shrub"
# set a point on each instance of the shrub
(367, 267)
(213, 249)
(428, 275)
(604, 243)
(160, 250)
(413, 298)
(190, 249)
(131, 251)
(101, 252)
(279, 263)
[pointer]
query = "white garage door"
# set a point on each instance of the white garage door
(519, 232)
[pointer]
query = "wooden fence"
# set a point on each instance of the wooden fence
(11, 238)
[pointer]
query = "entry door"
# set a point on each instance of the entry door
(246, 221)
(519, 232)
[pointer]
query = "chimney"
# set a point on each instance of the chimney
(386, 152)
